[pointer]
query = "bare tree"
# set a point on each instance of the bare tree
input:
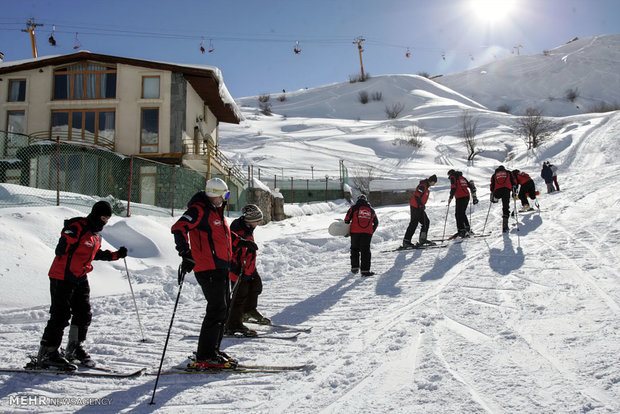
(362, 177)
(469, 127)
(534, 128)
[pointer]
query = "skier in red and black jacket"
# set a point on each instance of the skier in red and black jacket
(78, 246)
(364, 223)
(244, 275)
(417, 205)
(527, 188)
(203, 240)
(502, 184)
(459, 189)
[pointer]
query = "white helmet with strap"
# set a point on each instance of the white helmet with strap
(216, 187)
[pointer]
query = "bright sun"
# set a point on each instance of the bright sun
(492, 11)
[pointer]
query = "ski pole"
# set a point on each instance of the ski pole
(181, 275)
(487, 219)
(443, 236)
(516, 212)
(134, 299)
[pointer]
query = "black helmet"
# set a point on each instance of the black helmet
(516, 171)
(362, 197)
(451, 172)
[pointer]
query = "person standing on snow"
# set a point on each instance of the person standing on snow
(364, 223)
(554, 170)
(203, 239)
(502, 184)
(78, 246)
(527, 188)
(459, 189)
(244, 276)
(417, 205)
(547, 174)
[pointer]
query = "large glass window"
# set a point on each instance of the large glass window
(94, 126)
(85, 81)
(150, 87)
(17, 90)
(149, 131)
(16, 128)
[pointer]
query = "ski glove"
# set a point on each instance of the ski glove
(122, 252)
(475, 200)
(187, 265)
(248, 244)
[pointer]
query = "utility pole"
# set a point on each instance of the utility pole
(30, 26)
(358, 41)
(518, 47)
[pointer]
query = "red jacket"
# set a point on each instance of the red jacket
(78, 246)
(420, 195)
(362, 218)
(243, 260)
(522, 178)
(459, 186)
(502, 179)
(209, 235)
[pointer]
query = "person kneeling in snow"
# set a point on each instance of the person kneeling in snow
(247, 282)
(527, 189)
(363, 222)
(78, 246)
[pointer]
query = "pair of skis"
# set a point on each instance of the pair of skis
(454, 238)
(284, 332)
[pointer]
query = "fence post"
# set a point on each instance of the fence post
(326, 178)
(57, 170)
(292, 191)
(174, 173)
(249, 175)
(130, 181)
(275, 181)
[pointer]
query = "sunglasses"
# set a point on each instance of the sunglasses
(222, 193)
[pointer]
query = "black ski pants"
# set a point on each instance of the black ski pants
(216, 288)
(504, 194)
(460, 213)
(418, 215)
(528, 189)
(244, 300)
(360, 246)
(70, 301)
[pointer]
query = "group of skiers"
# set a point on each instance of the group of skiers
(504, 184)
(218, 254)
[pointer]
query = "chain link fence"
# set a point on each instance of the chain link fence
(44, 172)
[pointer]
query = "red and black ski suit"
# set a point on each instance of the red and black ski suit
(459, 189)
(244, 273)
(203, 231)
(364, 222)
(78, 246)
(526, 187)
(502, 183)
(417, 205)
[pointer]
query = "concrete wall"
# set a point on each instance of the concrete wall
(385, 198)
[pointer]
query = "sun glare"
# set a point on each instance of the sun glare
(492, 11)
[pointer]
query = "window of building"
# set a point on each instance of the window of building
(149, 130)
(17, 90)
(16, 132)
(92, 126)
(150, 87)
(85, 81)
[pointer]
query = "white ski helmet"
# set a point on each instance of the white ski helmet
(216, 187)
(251, 213)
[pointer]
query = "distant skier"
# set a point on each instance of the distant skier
(502, 184)
(459, 189)
(78, 246)
(203, 240)
(547, 174)
(417, 205)
(364, 223)
(526, 188)
(248, 283)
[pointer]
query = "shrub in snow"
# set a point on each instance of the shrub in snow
(264, 98)
(534, 128)
(377, 96)
(504, 108)
(392, 111)
(571, 94)
(363, 97)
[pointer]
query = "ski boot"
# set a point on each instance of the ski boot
(423, 241)
(49, 357)
(355, 270)
(505, 227)
(259, 318)
(213, 362)
(75, 351)
(366, 273)
(241, 330)
(407, 244)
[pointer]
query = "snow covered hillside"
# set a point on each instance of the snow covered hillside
(526, 321)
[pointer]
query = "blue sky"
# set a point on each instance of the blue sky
(253, 40)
